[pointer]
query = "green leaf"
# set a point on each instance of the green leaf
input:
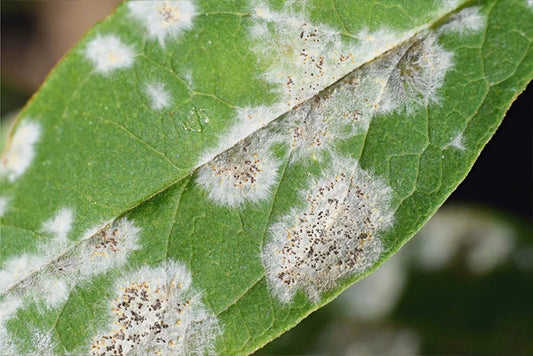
(198, 177)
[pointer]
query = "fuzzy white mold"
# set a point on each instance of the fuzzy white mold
(466, 21)
(61, 224)
(4, 203)
(48, 276)
(407, 78)
(336, 233)
(164, 19)
(244, 173)
(343, 110)
(108, 248)
(42, 343)
(21, 150)
(248, 121)
(156, 310)
(158, 95)
(303, 57)
(8, 309)
(412, 74)
(458, 142)
(108, 53)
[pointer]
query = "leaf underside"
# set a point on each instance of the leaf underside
(197, 177)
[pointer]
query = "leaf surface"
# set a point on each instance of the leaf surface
(198, 177)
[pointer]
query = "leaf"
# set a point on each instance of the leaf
(198, 177)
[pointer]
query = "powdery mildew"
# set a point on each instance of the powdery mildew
(60, 224)
(158, 95)
(404, 72)
(108, 248)
(156, 310)
(248, 121)
(336, 233)
(8, 309)
(244, 173)
(108, 53)
(48, 276)
(412, 74)
(341, 111)
(304, 57)
(458, 142)
(466, 21)
(4, 202)
(406, 78)
(164, 19)
(21, 150)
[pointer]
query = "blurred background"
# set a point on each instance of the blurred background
(462, 286)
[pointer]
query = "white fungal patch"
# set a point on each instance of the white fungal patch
(304, 58)
(248, 121)
(404, 79)
(48, 276)
(8, 310)
(60, 224)
(42, 343)
(55, 292)
(4, 202)
(244, 173)
(339, 112)
(530, 4)
(108, 53)
(17, 269)
(458, 142)
(21, 150)
(336, 234)
(412, 74)
(158, 95)
(109, 248)
(156, 310)
(164, 19)
(466, 21)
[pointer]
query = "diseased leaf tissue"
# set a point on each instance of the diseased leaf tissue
(197, 177)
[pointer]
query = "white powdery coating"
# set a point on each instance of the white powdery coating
(159, 96)
(304, 58)
(530, 4)
(448, 5)
(55, 291)
(4, 202)
(458, 142)
(8, 309)
(60, 224)
(41, 343)
(248, 121)
(16, 269)
(244, 173)
(49, 275)
(21, 151)
(164, 19)
(412, 74)
(108, 248)
(109, 53)
(335, 235)
(465, 21)
(157, 311)
(342, 111)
